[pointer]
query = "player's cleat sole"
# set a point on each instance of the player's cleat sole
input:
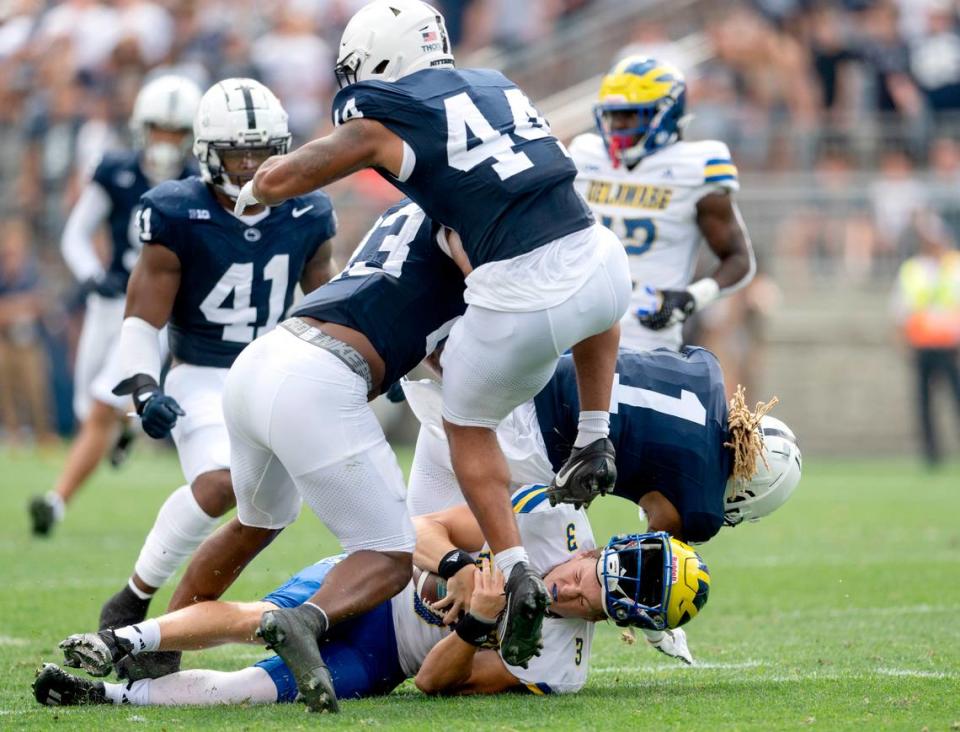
(122, 447)
(95, 653)
(288, 634)
(124, 608)
(590, 471)
(54, 687)
(527, 601)
(42, 516)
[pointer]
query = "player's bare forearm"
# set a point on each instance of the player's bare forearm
(212, 623)
(352, 146)
(721, 224)
(153, 285)
(438, 533)
(453, 666)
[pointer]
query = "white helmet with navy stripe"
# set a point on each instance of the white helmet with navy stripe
(237, 114)
(169, 103)
(390, 39)
(777, 475)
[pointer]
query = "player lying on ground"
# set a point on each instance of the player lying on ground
(296, 404)
(471, 150)
(219, 281)
(161, 125)
(631, 579)
(692, 462)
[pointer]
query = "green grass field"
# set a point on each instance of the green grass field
(840, 612)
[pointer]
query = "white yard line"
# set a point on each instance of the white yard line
(7, 640)
(779, 675)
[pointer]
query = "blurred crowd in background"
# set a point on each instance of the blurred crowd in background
(842, 115)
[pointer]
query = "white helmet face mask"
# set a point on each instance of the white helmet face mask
(237, 115)
(773, 483)
(167, 103)
(389, 39)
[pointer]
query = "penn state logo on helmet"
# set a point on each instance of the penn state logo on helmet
(641, 108)
(389, 39)
(652, 581)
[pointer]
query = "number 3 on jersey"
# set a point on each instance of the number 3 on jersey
(239, 318)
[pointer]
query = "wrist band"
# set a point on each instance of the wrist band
(453, 561)
(475, 631)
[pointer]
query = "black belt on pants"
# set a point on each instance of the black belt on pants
(345, 352)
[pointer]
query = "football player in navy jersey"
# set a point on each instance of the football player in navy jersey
(161, 126)
(217, 281)
(471, 150)
(301, 430)
(677, 444)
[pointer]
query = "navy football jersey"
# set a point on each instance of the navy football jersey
(119, 174)
(485, 164)
(395, 290)
(668, 427)
(236, 280)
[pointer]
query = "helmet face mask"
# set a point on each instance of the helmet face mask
(651, 581)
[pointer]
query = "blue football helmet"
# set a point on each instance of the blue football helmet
(656, 92)
(652, 581)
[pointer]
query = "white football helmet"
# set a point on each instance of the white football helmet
(237, 114)
(389, 39)
(773, 483)
(170, 103)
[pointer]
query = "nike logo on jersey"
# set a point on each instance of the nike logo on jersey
(298, 212)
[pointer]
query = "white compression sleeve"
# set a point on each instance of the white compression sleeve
(139, 349)
(76, 243)
(181, 527)
(198, 687)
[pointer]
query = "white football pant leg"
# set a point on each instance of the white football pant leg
(98, 338)
(201, 437)
(495, 360)
(303, 428)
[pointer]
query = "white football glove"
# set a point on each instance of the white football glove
(671, 643)
(245, 199)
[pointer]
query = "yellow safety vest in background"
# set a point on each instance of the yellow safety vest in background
(932, 297)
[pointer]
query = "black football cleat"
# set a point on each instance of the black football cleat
(95, 653)
(122, 447)
(42, 516)
(590, 471)
(521, 629)
(292, 634)
(54, 687)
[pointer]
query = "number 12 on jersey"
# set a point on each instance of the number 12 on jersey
(239, 319)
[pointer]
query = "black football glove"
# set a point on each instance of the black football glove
(109, 284)
(158, 411)
(675, 307)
